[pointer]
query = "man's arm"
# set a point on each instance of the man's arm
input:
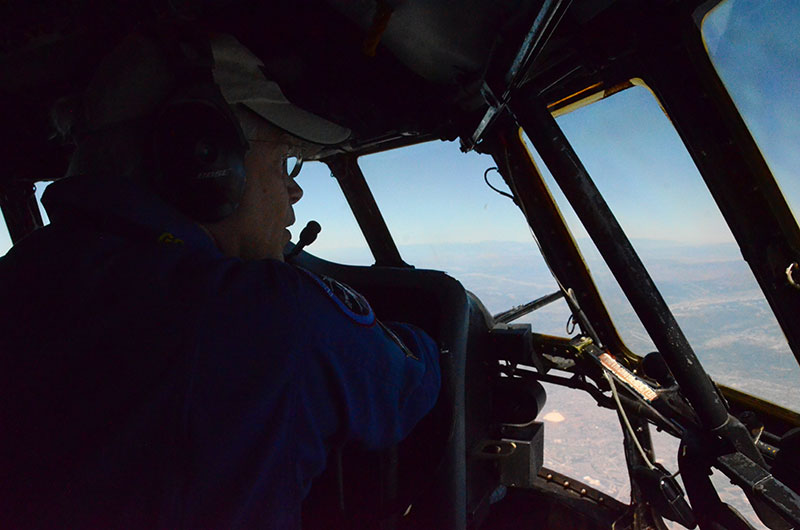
(378, 381)
(285, 370)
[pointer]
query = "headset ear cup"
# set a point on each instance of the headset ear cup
(199, 156)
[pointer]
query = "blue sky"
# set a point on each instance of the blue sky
(755, 48)
(433, 194)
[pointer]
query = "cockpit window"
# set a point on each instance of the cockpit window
(443, 216)
(5, 238)
(754, 48)
(341, 239)
(641, 167)
(40, 187)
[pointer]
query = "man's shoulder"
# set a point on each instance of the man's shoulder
(234, 277)
(272, 283)
(261, 293)
(255, 291)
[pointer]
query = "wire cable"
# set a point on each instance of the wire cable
(625, 419)
(569, 295)
(571, 323)
(486, 179)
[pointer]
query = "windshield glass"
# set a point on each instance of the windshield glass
(40, 187)
(5, 239)
(754, 47)
(649, 181)
(443, 216)
(340, 239)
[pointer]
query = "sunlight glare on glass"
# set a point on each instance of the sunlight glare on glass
(754, 48)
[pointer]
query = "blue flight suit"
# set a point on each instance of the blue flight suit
(151, 382)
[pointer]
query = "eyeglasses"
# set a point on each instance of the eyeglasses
(292, 163)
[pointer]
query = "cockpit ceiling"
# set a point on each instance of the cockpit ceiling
(429, 55)
(443, 41)
(430, 60)
(391, 67)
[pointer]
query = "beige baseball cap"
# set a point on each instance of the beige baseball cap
(239, 75)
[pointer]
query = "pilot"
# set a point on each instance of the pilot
(161, 366)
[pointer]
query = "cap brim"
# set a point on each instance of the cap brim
(298, 122)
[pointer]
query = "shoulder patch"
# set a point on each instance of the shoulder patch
(347, 299)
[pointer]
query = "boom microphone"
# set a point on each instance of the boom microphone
(307, 236)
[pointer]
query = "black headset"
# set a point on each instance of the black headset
(198, 144)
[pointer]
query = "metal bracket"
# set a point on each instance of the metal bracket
(520, 311)
(542, 28)
(754, 479)
(496, 108)
(790, 275)
(519, 452)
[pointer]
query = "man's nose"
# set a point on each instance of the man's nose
(295, 191)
